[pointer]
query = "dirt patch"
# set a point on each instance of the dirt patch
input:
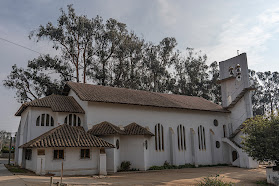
(187, 176)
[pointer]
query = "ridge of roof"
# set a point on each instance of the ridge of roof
(66, 136)
(57, 103)
(106, 94)
(105, 128)
(136, 129)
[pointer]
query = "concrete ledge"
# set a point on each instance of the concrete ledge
(272, 176)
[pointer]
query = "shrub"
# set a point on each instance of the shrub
(261, 138)
(125, 166)
(213, 181)
(167, 165)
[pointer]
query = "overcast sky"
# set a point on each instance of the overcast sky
(218, 28)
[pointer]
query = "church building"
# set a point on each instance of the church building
(91, 129)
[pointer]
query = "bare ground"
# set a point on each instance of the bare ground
(187, 176)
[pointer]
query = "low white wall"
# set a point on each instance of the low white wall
(272, 176)
(72, 163)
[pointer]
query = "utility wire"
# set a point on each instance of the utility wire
(20, 46)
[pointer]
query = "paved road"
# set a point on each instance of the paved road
(7, 178)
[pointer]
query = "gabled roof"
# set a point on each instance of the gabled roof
(97, 93)
(105, 128)
(57, 103)
(135, 129)
(66, 136)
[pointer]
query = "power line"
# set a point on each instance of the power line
(20, 46)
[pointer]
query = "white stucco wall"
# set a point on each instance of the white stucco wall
(72, 163)
(120, 114)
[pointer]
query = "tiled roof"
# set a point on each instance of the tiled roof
(135, 129)
(57, 103)
(66, 136)
(105, 128)
(97, 93)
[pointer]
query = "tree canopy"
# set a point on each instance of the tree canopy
(261, 138)
(105, 52)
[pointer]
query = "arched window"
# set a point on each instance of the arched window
(181, 137)
(72, 120)
(201, 138)
(159, 137)
(45, 120)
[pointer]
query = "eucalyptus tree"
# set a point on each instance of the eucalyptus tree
(157, 60)
(73, 37)
(192, 75)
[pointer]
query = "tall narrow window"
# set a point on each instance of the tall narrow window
(224, 130)
(38, 121)
(184, 138)
(45, 120)
(201, 137)
(162, 137)
(156, 141)
(159, 137)
(72, 120)
(51, 121)
(178, 138)
(181, 137)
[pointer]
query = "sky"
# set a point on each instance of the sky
(218, 28)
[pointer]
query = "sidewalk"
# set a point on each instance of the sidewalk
(7, 178)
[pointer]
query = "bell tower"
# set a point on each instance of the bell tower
(236, 89)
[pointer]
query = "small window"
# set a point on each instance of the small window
(217, 144)
(215, 122)
(58, 154)
(117, 144)
(146, 144)
(84, 153)
(72, 120)
(28, 154)
(41, 152)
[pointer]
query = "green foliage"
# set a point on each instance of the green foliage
(261, 138)
(16, 169)
(213, 181)
(263, 182)
(217, 165)
(125, 166)
(169, 166)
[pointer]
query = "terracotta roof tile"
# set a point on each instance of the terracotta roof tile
(105, 128)
(57, 103)
(66, 136)
(97, 93)
(135, 129)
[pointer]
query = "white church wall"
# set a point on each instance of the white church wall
(32, 164)
(83, 104)
(35, 131)
(72, 163)
(120, 114)
(132, 149)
